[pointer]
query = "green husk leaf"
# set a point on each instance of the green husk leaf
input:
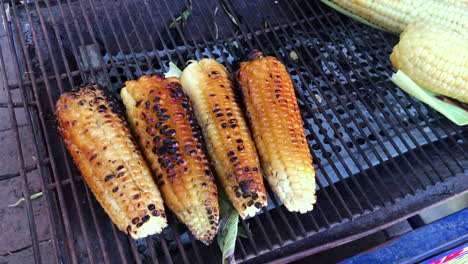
(356, 17)
(229, 217)
(456, 114)
(32, 197)
(228, 229)
(174, 71)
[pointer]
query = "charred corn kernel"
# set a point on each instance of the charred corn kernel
(161, 116)
(227, 136)
(278, 131)
(98, 139)
(395, 15)
(435, 58)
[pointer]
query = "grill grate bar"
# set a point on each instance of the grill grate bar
(21, 162)
(319, 165)
(301, 96)
(178, 242)
(349, 182)
(100, 238)
(166, 250)
(362, 132)
(152, 249)
(67, 163)
(195, 247)
(443, 126)
(404, 141)
(136, 255)
(119, 244)
(432, 111)
(22, 172)
(54, 172)
(434, 131)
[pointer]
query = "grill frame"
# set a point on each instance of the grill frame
(59, 215)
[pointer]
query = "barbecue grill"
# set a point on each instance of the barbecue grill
(381, 156)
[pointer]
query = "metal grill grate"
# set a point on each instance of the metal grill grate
(372, 144)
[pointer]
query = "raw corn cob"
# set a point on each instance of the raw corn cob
(161, 116)
(102, 147)
(435, 58)
(277, 128)
(395, 15)
(228, 140)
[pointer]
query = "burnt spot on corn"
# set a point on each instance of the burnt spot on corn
(164, 118)
(258, 205)
(145, 218)
(244, 186)
(136, 196)
(115, 189)
(109, 177)
(119, 167)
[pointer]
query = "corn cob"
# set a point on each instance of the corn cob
(161, 117)
(102, 147)
(395, 15)
(228, 140)
(277, 129)
(435, 58)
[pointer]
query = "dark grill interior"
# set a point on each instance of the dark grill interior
(373, 144)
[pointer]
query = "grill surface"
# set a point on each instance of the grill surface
(379, 153)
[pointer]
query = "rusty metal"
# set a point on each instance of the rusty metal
(372, 143)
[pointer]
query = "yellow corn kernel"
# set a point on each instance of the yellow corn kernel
(395, 15)
(227, 136)
(277, 129)
(161, 117)
(97, 137)
(435, 58)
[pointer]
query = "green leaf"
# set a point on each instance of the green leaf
(174, 71)
(455, 113)
(32, 197)
(356, 17)
(182, 18)
(228, 229)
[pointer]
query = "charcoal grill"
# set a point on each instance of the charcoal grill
(380, 155)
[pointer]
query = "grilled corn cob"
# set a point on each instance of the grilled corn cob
(228, 140)
(435, 58)
(161, 117)
(102, 147)
(277, 129)
(395, 15)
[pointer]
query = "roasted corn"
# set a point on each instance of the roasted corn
(277, 129)
(435, 58)
(102, 147)
(161, 116)
(227, 136)
(395, 15)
